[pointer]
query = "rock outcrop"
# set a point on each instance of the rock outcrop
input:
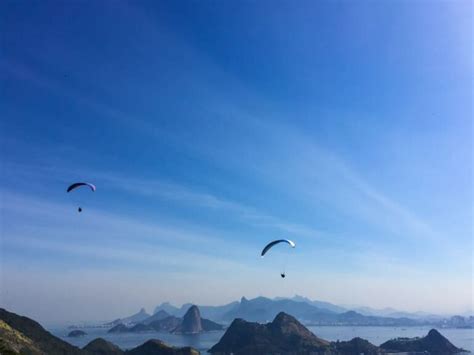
(433, 343)
(42, 340)
(76, 333)
(192, 323)
(14, 342)
(21, 335)
(101, 346)
(285, 335)
(156, 347)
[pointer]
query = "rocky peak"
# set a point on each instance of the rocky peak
(284, 335)
(434, 334)
(433, 342)
(191, 323)
(157, 347)
(285, 325)
(283, 318)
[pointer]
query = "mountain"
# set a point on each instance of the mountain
(22, 335)
(215, 312)
(322, 313)
(191, 323)
(211, 312)
(355, 346)
(76, 333)
(319, 304)
(168, 324)
(286, 336)
(136, 318)
(39, 337)
(394, 313)
(315, 312)
(169, 308)
(209, 325)
(433, 343)
(219, 313)
(354, 318)
(156, 347)
(283, 335)
(264, 309)
(14, 342)
(100, 346)
(161, 314)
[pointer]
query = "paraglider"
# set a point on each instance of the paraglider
(272, 244)
(80, 184)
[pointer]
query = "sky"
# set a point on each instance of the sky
(213, 127)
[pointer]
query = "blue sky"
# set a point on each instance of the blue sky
(213, 127)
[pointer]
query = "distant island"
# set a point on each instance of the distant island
(285, 335)
(76, 333)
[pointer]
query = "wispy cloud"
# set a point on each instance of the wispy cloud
(314, 173)
(171, 191)
(60, 218)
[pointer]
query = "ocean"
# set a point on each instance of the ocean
(463, 338)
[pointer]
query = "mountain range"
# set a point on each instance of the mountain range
(262, 309)
(283, 336)
(190, 323)
(21, 335)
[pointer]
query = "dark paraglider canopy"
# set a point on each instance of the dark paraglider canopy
(79, 184)
(275, 242)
